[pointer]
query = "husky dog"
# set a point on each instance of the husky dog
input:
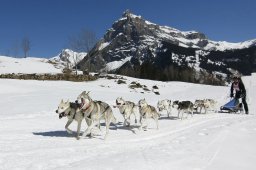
(127, 108)
(69, 110)
(199, 104)
(165, 105)
(183, 106)
(211, 104)
(206, 104)
(146, 112)
(94, 111)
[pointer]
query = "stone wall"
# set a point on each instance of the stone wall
(68, 77)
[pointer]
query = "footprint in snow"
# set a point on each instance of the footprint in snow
(202, 134)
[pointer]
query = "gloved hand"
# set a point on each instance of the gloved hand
(243, 95)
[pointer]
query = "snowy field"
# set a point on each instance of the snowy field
(26, 65)
(32, 137)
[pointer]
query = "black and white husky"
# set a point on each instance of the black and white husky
(94, 111)
(147, 112)
(70, 110)
(183, 106)
(165, 105)
(127, 109)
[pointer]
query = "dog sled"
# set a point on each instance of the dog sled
(233, 106)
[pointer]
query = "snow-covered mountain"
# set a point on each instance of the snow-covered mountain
(67, 58)
(134, 46)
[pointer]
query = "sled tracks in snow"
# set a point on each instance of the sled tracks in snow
(184, 125)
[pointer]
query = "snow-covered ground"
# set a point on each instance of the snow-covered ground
(31, 65)
(32, 137)
(26, 65)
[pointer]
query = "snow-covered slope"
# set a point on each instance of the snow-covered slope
(30, 65)
(198, 40)
(26, 65)
(33, 137)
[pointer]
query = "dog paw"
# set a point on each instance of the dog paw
(70, 132)
(89, 135)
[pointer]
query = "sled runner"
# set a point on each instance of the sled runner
(233, 106)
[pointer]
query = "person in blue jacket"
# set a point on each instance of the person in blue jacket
(237, 88)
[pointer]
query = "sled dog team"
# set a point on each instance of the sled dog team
(94, 111)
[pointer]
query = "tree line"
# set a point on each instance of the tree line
(171, 73)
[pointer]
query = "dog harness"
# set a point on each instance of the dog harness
(74, 106)
(133, 105)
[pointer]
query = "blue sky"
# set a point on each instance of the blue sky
(49, 23)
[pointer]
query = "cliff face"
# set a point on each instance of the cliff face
(139, 48)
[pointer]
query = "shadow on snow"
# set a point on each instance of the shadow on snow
(59, 133)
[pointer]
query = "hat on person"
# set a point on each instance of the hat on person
(236, 76)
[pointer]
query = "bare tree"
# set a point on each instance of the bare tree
(25, 44)
(15, 48)
(83, 41)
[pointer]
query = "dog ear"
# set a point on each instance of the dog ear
(67, 101)
(61, 101)
(88, 92)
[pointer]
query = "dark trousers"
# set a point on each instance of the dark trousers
(239, 95)
(245, 104)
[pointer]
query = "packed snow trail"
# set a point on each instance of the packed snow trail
(196, 146)
(33, 137)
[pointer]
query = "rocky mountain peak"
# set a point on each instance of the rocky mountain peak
(128, 14)
(129, 25)
(195, 35)
(137, 47)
